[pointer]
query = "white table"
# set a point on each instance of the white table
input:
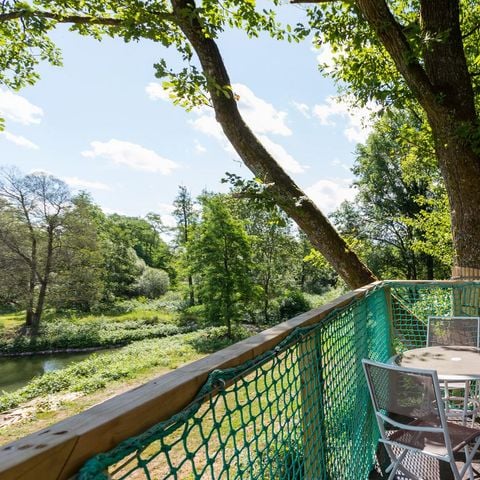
(454, 365)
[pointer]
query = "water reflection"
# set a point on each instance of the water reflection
(15, 372)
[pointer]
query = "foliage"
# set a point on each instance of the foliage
(396, 202)
(152, 283)
(293, 304)
(79, 280)
(33, 210)
(187, 217)
(221, 256)
(95, 372)
(101, 332)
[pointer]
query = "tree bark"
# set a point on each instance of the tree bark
(44, 283)
(443, 88)
(283, 189)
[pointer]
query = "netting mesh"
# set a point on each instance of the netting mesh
(300, 411)
(413, 303)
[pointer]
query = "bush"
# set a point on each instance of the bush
(98, 370)
(66, 334)
(152, 283)
(293, 304)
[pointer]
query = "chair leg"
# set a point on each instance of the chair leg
(470, 468)
(469, 459)
(458, 475)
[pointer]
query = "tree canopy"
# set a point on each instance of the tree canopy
(417, 55)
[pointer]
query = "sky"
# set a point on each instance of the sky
(103, 123)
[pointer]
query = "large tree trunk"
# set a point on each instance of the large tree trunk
(286, 193)
(442, 86)
(454, 125)
(44, 283)
(30, 315)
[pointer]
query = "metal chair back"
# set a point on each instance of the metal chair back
(448, 331)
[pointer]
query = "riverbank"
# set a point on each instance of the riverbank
(65, 392)
(70, 333)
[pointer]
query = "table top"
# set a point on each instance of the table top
(451, 363)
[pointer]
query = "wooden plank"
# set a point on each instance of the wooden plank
(428, 282)
(59, 451)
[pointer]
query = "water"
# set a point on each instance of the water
(16, 372)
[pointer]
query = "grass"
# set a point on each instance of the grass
(97, 371)
(123, 323)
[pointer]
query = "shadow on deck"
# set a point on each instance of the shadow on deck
(425, 468)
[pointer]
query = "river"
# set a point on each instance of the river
(15, 372)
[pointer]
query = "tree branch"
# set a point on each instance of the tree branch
(283, 189)
(77, 19)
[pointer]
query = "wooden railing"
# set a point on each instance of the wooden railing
(57, 452)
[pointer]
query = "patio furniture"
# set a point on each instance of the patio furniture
(465, 331)
(409, 403)
(446, 331)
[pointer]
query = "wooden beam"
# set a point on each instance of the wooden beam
(58, 452)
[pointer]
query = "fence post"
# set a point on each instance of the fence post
(310, 365)
(391, 321)
(465, 298)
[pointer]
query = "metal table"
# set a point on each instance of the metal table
(456, 366)
(452, 363)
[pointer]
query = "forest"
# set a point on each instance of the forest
(233, 257)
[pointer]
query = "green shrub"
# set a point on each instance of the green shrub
(153, 282)
(293, 304)
(66, 334)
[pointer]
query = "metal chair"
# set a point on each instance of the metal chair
(448, 331)
(459, 331)
(409, 402)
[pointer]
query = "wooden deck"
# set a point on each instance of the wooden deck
(426, 468)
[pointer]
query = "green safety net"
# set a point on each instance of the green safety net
(413, 303)
(300, 411)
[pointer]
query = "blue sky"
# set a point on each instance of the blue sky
(103, 123)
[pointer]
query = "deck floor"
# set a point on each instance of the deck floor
(426, 468)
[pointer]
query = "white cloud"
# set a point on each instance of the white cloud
(339, 163)
(303, 108)
(359, 119)
(18, 109)
(261, 116)
(199, 148)
(111, 211)
(329, 194)
(19, 140)
(326, 58)
(206, 124)
(132, 155)
(285, 160)
(155, 91)
(80, 183)
(165, 210)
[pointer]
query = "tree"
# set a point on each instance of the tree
(186, 216)
(143, 235)
(152, 283)
(188, 28)
(422, 54)
(393, 196)
(221, 259)
(32, 220)
(79, 279)
(273, 247)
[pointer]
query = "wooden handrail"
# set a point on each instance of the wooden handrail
(58, 452)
